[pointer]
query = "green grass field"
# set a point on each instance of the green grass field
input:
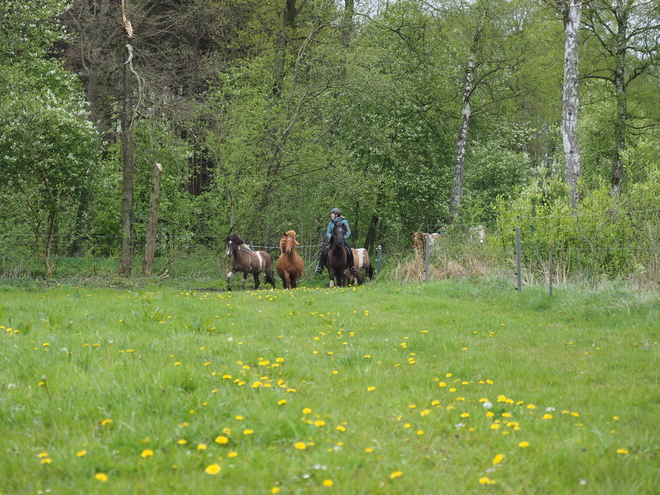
(447, 388)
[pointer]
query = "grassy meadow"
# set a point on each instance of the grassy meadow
(446, 388)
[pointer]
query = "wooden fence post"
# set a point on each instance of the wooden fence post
(152, 225)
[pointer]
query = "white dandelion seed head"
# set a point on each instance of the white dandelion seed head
(487, 404)
(230, 339)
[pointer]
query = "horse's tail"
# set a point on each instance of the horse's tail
(369, 270)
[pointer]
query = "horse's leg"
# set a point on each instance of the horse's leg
(229, 275)
(331, 274)
(245, 274)
(256, 280)
(270, 277)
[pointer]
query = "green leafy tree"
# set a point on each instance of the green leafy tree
(47, 145)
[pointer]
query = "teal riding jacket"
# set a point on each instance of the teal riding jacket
(331, 225)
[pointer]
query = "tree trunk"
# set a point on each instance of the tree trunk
(152, 225)
(461, 143)
(620, 85)
(371, 234)
(126, 256)
(571, 11)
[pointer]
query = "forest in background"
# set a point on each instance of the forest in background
(265, 114)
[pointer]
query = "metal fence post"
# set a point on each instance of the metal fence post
(378, 257)
(427, 256)
(550, 269)
(518, 269)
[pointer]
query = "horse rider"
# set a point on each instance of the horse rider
(336, 217)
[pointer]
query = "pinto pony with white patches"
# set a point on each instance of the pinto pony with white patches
(289, 265)
(243, 259)
(362, 263)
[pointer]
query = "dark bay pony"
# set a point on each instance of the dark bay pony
(289, 265)
(337, 257)
(243, 259)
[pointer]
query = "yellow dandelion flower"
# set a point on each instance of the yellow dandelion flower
(425, 412)
(368, 450)
(328, 483)
(222, 440)
(622, 451)
(46, 460)
(239, 418)
(547, 416)
(307, 410)
(494, 426)
(300, 445)
(371, 389)
(182, 441)
(341, 428)
(531, 406)
(523, 445)
(82, 453)
(396, 474)
(275, 489)
(248, 432)
(201, 446)
(147, 453)
(498, 458)
(232, 454)
(106, 422)
(213, 469)
(102, 477)
(465, 415)
(281, 402)
(319, 423)
(42, 455)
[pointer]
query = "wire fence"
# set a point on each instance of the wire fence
(552, 249)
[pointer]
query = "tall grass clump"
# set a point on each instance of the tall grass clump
(449, 387)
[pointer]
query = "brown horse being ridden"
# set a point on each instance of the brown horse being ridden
(243, 259)
(337, 256)
(289, 265)
(362, 263)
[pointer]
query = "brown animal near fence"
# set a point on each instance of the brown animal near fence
(243, 259)
(419, 240)
(289, 265)
(363, 264)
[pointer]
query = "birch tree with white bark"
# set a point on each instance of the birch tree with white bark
(571, 12)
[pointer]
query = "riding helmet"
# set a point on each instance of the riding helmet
(336, 211)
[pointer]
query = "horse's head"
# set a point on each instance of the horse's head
(289, 242)
(419, 240)
(234, 242)
(338, 233)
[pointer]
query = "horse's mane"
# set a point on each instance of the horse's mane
(339, 226)
(241, 243)
(291, 233)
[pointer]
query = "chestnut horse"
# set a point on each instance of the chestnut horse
(243, 259)
(289, 265)
(337, 257)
